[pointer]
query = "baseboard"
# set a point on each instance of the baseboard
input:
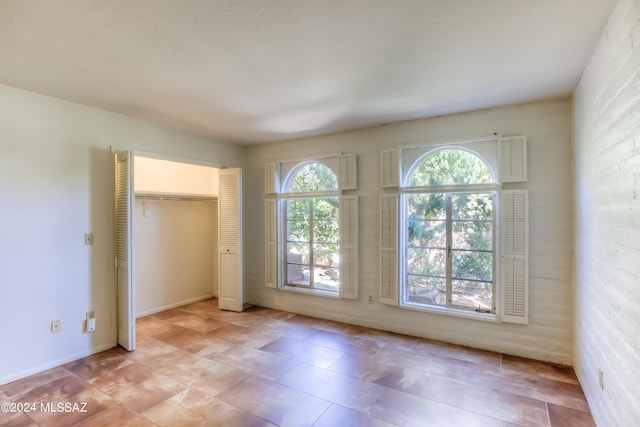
(173, 305)
(54, 363)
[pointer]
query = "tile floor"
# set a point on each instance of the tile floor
(197, 365)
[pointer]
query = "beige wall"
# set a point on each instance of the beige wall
(165, 176)
(548, 128)
(57, 185)
(175, 241)
(607, 215)
(175, 253)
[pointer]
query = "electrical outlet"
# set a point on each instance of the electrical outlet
(88, 239)
(601, 379)
(56, 326)
(370, 299)
(90, 323)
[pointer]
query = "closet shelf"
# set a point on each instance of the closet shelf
(174, 197)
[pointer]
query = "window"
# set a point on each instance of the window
(439, 230)
(450, 241)
(311, 227)
(311, 207)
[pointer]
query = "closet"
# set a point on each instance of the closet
(175, 234)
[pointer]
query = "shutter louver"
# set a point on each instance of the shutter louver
(270, 232)
(230, 280)
(122, 209)
(514, 261)
(349, 247)
(389, 249)
(229, 212)
(513, 159)
(348, 172)
(271, 178)
(125, 263)
(390, 174)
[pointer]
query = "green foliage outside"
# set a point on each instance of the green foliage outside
(471, 222)
(313, 219)
(450, 167)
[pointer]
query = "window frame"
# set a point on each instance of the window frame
(311, 196)
(449, 221)
(344, 166)
(405, 190)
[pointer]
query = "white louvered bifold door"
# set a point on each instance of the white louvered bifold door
(514, 262)
(230, 292)
(390, 169)
(513, 159)
(348, 172)
(349, 247)
(271, 246)
(389, 249)
(124, 248)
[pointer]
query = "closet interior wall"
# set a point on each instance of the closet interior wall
(175, 231)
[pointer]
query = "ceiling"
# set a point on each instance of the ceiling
(253, 71)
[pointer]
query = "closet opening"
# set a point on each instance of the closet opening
(178, 237)
(175, 234)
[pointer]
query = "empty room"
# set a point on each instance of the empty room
(320, 213)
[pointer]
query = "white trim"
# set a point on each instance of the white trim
(469, 188)
(176, 159)
(492, 164)
(308, 195)
(174, 305)
(451, 141)
(55, 363)
(448, 311)
(310, 291)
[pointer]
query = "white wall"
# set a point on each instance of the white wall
(55, 169)
(164, 176)
(607, 224)
(548, 128)
(175, 249)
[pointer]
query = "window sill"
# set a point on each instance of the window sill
(484, 317)
(316, 292)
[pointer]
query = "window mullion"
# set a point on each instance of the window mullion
(311, 239)
(449, 257)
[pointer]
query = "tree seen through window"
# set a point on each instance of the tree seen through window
(313, 233)
(450, 234)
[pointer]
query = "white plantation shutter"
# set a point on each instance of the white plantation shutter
(349, 247)
(271, 187)
(390, 173)
(513, 159)
(347, 172)
(271, 178)
(389, 249)
(514, 262)
(271, 245)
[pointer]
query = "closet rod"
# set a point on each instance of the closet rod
(174, 198)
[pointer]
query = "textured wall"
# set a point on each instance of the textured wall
(607, 206)
(548, 127)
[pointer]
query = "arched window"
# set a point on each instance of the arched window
(312, 230)
(449, 253)
(311, 177)
(450, 166)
